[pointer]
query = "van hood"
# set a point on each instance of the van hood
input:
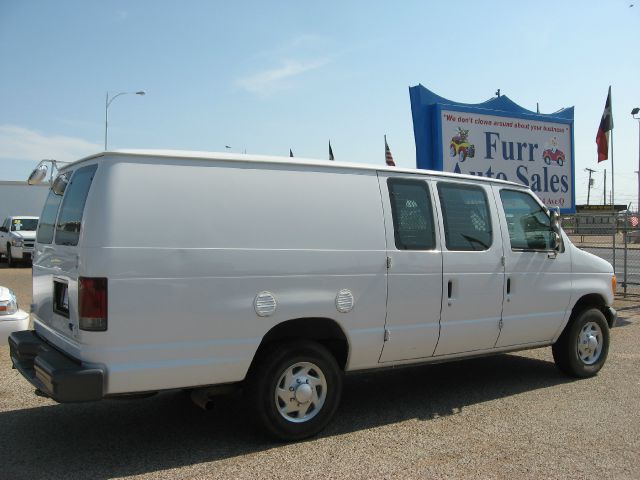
(585, 262)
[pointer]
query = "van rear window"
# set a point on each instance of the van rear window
(50, 211)
(70, 217)
(412, 214)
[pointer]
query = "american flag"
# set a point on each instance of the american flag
(387, 154)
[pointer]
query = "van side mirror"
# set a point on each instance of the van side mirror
(556, 229)
(3, 229)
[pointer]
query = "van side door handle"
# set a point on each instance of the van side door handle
(508, 289)
(449, 292)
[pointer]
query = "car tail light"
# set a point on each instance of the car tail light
(9, 306)
(92, 304)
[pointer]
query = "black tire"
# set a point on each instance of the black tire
(267, 374)
(560, 162)
(569, 351)
(10, 261)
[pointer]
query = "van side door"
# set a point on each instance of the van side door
(538, 279)
(473, 274)
(414, 266)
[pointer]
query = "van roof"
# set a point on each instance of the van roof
(297, 161)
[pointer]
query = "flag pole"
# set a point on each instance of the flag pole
(613, 199)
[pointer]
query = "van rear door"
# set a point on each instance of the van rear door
(56, 259)
(414, 267)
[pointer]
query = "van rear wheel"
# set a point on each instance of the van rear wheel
(295, 389)
(582, 349)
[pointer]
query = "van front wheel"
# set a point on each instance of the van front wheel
(583, 347)
(295, 389)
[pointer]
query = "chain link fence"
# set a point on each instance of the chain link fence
(614, 237)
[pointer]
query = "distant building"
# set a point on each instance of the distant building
(597, 219)
(19, 198)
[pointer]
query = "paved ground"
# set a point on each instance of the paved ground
(510, 416)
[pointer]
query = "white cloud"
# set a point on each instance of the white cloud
(19, 143)
(268, 81)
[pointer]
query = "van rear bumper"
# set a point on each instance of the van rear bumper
(52, 372)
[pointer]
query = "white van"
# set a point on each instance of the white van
(159, 270)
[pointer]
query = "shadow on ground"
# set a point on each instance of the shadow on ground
(127, 437)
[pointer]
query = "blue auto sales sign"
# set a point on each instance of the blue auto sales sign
(497, 139)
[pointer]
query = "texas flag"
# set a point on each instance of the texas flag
(606, 125)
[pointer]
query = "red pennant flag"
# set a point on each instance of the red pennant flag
(606, 125)
(387, 154)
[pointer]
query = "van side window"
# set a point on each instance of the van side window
(50, 211)
(528, 223)
(70, 218)
(466, 218)
(412, 214)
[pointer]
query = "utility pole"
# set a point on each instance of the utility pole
(638, 204)
(589, 188)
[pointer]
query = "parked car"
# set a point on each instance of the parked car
(12, 319)
(294, 273)
(551, 155)
(17, 238)
(633, 236)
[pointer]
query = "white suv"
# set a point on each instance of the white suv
(17, 238)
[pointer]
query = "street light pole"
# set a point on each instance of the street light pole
(635, 112)
(107, 103)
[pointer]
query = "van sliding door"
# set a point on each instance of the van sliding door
(473, 273)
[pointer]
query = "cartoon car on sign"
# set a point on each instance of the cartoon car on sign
(460, 145)
(553, 155)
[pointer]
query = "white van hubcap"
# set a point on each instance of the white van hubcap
(590, 343)
(300, 392)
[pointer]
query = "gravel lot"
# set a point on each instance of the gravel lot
(509, 416)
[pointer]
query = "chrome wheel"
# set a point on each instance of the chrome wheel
(301, 392)
(590, 343)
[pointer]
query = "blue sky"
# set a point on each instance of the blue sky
(268, 76)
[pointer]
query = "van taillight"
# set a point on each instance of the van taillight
(92, 304)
